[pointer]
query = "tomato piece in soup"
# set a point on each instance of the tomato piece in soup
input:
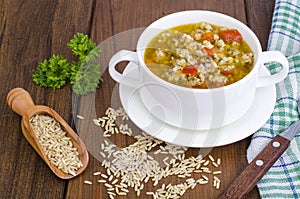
(231, 35)
(191, 70)
(227, 72)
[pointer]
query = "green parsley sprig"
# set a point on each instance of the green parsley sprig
(84, 74)
(81, 45)
(52, 73)
(86, 79)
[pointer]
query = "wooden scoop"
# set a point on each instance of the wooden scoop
(20, 101)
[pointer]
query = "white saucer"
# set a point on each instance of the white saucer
(256, 116)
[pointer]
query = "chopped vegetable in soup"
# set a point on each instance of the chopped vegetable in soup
(199, 55)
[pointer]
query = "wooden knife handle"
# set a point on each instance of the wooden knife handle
(247, 180)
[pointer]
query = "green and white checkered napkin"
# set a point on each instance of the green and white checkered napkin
(283, 179)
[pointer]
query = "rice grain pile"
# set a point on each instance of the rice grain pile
(56, 145)
(149, 160)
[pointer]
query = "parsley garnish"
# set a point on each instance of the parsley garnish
(84, 74)
(86, 79)
(81, 45)
(52, 73)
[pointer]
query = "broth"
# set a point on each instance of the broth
(199, 55)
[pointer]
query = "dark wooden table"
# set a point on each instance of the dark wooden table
(31, 31)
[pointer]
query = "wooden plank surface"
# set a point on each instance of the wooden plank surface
(31, 31)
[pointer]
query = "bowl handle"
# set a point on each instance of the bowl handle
(273, 56)
(123, 55)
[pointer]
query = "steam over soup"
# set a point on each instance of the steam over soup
(199, 55)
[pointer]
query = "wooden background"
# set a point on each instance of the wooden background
(31, 31)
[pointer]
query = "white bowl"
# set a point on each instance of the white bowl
(198, 108)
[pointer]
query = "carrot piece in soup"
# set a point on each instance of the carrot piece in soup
(208, 36)
(210, 51)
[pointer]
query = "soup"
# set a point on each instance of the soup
(200, 55)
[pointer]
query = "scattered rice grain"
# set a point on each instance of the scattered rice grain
(125, 190)
(80, 117)
(108, 185)
(111, 197)
(97, 173)
(133, 166)
(87, 182)
(217, 172)
(114, 181)
(211, 158)
(215, 164)
(204, 177)
(104, 176)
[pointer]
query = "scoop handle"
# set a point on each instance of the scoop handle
(19, 100)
